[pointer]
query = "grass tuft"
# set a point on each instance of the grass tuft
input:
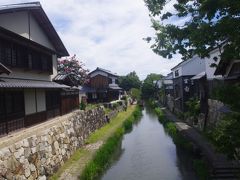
(103, 156)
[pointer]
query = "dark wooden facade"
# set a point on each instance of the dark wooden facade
(99, 82)
(69, 103)
(183, 91)
(12, 112)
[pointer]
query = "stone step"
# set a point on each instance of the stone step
(225, 171)
(224, 176)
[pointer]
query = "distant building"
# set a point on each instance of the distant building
(103, 86)
(29, 48)
(168, 84)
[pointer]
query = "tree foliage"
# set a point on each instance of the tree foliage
(130, 81)
(74, 66)
(135, 94)
(222, 94)
(149, 88)
(226, 135)
(195, 27)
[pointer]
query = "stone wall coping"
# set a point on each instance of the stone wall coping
(37, 130)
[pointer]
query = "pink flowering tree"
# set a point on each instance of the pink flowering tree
(71, 65)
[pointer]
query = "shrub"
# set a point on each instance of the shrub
(193, 106)
(171, 129)
(83, 105)
(160, 114)
(226, 135)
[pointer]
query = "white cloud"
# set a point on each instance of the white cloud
(107, 34)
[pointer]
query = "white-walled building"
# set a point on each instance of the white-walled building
(187, 74)
(29, 48)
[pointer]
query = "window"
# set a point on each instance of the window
(36, 60)
(109, 80)
(94, 95)
(44, 63)
(6, 53)
(176, 73)
(15, 55)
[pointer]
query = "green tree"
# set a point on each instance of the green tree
(129, 81)
(195, 27)
(136, 93)
(149, 89)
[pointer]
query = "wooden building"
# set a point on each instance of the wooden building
(103, 86)
(29, 48)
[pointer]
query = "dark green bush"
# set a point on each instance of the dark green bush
(226, 135)
(160, 115)
(83, 105)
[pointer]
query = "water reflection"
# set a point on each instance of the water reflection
(148, 153)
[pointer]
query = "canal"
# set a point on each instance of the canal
(148, 153)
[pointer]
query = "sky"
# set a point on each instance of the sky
(107, 34)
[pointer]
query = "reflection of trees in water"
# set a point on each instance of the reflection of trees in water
(150, 112)
(185, 163)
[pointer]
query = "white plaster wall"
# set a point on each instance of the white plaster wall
(113, 79)
(37, 34)
(41, 100)
(54, 63)
(208, 61)
(81, 95)
(18, 22)
(29, 97)
(195, 66)
(179, 72)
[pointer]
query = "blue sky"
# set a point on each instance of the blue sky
(107, 34)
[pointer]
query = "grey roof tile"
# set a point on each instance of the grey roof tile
(28, 83)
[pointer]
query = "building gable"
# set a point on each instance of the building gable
(30, 21)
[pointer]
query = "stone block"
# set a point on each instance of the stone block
(42, 178)
(19, 153)
(27, 152)
(25, 143)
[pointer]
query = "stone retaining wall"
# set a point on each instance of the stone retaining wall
(214, 113)
(41, 154)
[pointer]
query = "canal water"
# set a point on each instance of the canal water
(148, 153)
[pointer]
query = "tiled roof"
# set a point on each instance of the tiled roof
(104, 70)
(60, 77)
(37, 11)
(199, 76)
(4, 69)
(28, 83)
(114, 87)
(86, 89)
